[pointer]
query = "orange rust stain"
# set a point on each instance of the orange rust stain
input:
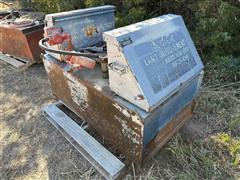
(91, 30)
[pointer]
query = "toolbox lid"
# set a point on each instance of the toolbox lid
(159, 53)
(66, 16)
(85, 26)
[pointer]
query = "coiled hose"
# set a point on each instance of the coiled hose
(62, 52)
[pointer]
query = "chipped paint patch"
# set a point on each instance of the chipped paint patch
(124, 111)
(79, 92)
(128, 131)
(136, 120)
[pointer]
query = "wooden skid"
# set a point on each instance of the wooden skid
(16, 63)
(168, 131)
(98, 156)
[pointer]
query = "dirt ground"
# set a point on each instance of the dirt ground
(208, 147)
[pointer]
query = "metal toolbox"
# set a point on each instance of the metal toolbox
(85, 25)
(151, 60)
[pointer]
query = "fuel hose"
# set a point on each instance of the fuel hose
(42, 44)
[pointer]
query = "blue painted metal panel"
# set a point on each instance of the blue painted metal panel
(166, 112)
(85, 25)
(154, 121)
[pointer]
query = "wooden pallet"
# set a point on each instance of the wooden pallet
(15, 62)
(95, 153)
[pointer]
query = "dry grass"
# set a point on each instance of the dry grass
(208, 147)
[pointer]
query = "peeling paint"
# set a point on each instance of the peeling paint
(131, 134)
(136, 119)
(126, 113)
(79, 92)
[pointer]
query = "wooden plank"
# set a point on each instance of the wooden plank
(168, 131)
(99, 157)
(17, 63)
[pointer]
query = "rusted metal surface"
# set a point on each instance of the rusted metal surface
(91, 30)
(120, 126)
(168, 131)
(22, 42)
(87, 94)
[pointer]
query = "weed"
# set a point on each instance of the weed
(195, 161)
(230, 146)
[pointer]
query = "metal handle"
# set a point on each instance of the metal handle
(117, 68)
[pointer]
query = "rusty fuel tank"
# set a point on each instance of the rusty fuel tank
(20, 37)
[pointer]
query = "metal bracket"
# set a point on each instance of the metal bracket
(114, 66)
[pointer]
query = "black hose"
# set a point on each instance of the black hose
(71, 53)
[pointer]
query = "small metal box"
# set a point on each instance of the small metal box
(85, 25)
(150, 61)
